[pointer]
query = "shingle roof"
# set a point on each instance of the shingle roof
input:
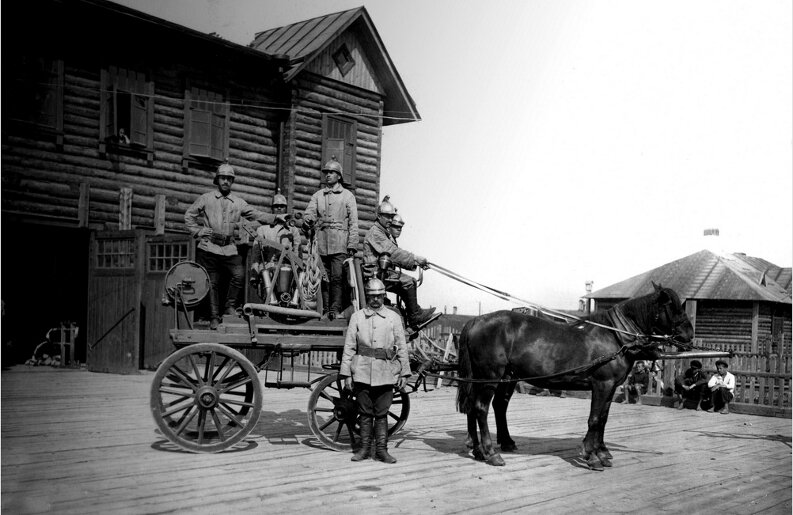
(706, 275)
(304, 40)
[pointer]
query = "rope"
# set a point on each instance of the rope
(310, 282)
(511, 298)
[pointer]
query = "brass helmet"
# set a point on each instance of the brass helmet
(334, 166)
(374, 287)
(278, 199)
(386, 208)
(397, 221)
(224, 169)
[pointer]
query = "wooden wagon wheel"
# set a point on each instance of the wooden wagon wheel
(206, 397)
(333, 413)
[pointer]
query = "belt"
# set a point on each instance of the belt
(369, 352)
(222, 240)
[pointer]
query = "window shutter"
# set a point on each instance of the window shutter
(200, 132)
(110, 104)
(218, 136)
(140, 111)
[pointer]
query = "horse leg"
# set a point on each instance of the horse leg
(602, 451)
(500, 402)
(472, 442)
(481, 406)
(594, 435)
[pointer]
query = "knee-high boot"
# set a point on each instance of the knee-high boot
(366, 440)
(381, 441)
(416, 316)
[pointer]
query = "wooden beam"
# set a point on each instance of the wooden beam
(125, 209)
(83, 205)
(159, 214)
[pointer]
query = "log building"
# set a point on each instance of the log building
(114, 121)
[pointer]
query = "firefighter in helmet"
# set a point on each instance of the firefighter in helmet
(213, 220)
(334, 213)
(375, 359)
(397, 222)
(285, 234)
(378, 243)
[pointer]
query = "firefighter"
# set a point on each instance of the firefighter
(286, 235)
(396, 227)
(375, 359)
(335, 214)
(212, 219)
(379, 242)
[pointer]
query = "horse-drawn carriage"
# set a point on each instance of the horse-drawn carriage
(207, 396)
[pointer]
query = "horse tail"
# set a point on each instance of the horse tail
(464, 370)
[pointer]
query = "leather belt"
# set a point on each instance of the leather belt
(369, 352)
(222, 240)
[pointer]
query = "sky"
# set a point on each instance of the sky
(567, 141)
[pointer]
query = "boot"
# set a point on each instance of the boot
(365, 452)
(416, 316)
(214, 308)
(381, 441)
(725, 410)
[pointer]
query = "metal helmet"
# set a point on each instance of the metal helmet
(397, 221)
(334, 166)
(224, 169)
(374, 287)
(279, 200)
(386, 208)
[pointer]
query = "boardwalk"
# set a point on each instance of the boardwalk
(80, 442)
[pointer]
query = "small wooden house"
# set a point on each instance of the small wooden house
(114, 121)
(735, 302)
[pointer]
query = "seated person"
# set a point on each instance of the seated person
(692, 387)
(638, 383)
(379, 241)
(722, 388)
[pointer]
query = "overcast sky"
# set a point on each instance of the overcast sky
(567, 141)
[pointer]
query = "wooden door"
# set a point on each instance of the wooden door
(161, 253)
(114, 301)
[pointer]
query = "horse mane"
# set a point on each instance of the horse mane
(640, 309)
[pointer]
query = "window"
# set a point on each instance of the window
(338, 139)
(343, 59)
(206, 125)
(34, 93)
(162, 256)
(127, 110)
(115, 253)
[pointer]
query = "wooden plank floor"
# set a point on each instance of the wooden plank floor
(80, 442)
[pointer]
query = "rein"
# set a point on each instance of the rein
(511, 298)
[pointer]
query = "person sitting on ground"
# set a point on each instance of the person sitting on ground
(638, 383)
(692, 387)
(722, 388)
(379, 241)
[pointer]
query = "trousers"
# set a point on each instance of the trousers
(217, 266)
(373, 401)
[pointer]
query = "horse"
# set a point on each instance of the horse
(595, 353)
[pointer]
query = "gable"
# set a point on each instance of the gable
(361, 73)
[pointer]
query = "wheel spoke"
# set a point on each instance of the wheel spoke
(329, 422)
(338, 432)
(194, 364)
(324, 410)
(173, 391)
(209, 367)
(222, 367)
(242, 381)
(187, 420)
(176, 408)
(178, 375)
(237, 403)
(328, 397)
(202, 419)
(218, 426)
(231, 415)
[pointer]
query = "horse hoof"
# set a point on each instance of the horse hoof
(478, 456)
(469, 443)
(594, 464)
(509, 447)
(605, 462)
(605, 458)
(496, 460)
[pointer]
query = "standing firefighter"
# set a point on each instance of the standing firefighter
(335, 213)
(213, 219)
(380, 242)
(375, 359)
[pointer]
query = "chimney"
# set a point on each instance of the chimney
(454, 310)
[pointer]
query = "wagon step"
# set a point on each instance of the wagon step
(287, 384)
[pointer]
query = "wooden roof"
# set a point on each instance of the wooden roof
(707, 275)
(304, 40)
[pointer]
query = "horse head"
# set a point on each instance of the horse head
(670, 317)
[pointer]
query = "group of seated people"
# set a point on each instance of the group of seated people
(695, 389)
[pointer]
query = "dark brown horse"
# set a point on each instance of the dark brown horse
(506, 346)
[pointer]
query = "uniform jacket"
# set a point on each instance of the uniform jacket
(221, 213)
(336, 214)
(378, 240)
(380, 329)
(289, 237)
